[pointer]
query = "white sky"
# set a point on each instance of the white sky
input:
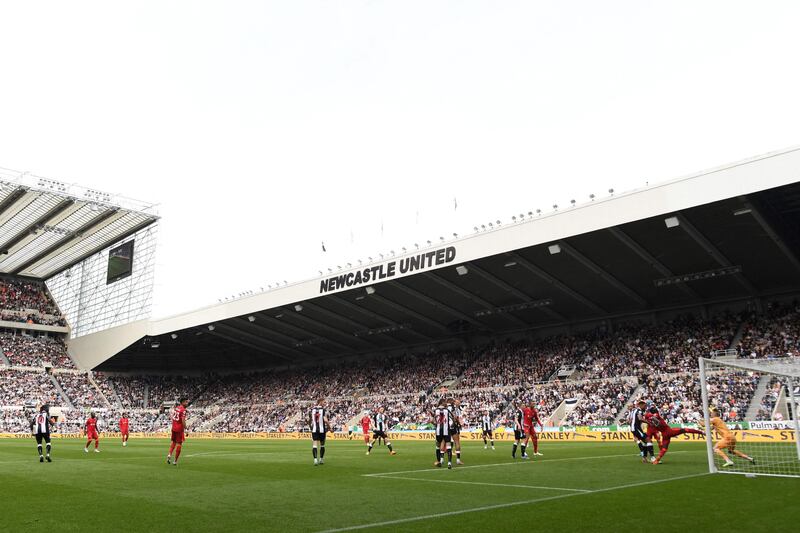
(263, 128)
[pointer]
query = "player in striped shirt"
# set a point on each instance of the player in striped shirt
(443, 424)
(318, 422)
(455, 409)
(381, 426)
(519, 432)
(41, 425)
(486, 428)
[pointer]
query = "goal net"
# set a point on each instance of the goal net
(750, 406)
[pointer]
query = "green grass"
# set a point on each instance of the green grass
(272, 485)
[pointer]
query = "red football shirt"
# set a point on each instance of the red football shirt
(365, 422)
(178, 418)
(656, 421)
(91, 425)
(123, 425)
(527, 417)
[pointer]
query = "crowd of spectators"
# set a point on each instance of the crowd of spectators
(498, 377)
(770, 398)
(26, 350)
(24, 295)
(776, 333)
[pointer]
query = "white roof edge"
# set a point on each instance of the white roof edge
(748, 176)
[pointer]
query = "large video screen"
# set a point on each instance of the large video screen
(120, 262)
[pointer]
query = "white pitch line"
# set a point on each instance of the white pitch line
(482, 483)
(584, 458)
(505, 505)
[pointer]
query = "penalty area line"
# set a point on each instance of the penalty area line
(482, 483)
(536, 461)
(506, 505)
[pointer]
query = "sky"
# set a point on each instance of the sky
(263, 129)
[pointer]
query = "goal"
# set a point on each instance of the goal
(758, 401)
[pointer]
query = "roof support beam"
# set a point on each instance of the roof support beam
(319, 325)
(12, 198)
(530, 267)
(352, 322)
(388, 321)
(436, 303)
(259, 331)
(636, 248)
(262, 316)
(265, 345)
(76, 235)
(38, 223)
(335, 316)
(410, 312)
(248, 344)
(513, 290)
(468, 295)
(713, 251)
(611, 280)
(771, 233)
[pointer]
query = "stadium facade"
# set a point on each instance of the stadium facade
(722, 238)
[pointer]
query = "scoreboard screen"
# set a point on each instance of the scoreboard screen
(120, 262)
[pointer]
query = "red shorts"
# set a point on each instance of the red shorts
(124, 433)
(178, 437)
(530, 430)
(365, 429)
(92, 436)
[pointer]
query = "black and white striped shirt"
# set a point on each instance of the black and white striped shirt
(637, 416)
(486, 422)
(41, 423)
(318, 420)
(380, 422)
(443, 421)
(518, 420)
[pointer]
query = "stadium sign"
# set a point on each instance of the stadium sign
(401, 267)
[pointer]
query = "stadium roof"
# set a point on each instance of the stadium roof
(47, 226)
(724, 235)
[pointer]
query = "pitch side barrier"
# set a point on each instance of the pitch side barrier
(751, 435)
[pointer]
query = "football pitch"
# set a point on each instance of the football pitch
(272, 485)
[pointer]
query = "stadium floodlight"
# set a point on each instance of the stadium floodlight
(349, 265)
(370, 290)
(611, 192)
(174, 336)
(572, 202)
(251, 318)
(429, 243)
(211, 327)
(672, 222)
(404, 249)
(498, 223)
(510, 264)
(554, 249)
(740, 212)
(462, 270)
(490, 225)
(298, 308)
(156, 344)
(483, 227)
(416, 246)
(475, 228)
(370, 258)
(555, 207)
(441, 239)
(591, 197)
(539, 212)
(320, 273)
(455, 235)
(753, 447)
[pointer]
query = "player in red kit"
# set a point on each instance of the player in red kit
(655, 423)
(178, 430)
(365, 423)
(91, 433)
(530, 422)
(123, 428)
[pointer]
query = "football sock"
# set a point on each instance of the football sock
(171, 448)
(39, 447)
(449, 455)
(314, 451)
(641, 448)
(48, 448)
(523, 449)
(438, 455)
(322, 451)
(177, 452)
(514, 451)
(389, 445)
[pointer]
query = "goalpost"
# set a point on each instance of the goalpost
(741, 384)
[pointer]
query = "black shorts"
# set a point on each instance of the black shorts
(487, 433)
(442, 438)
(318, 436)
(519, 434)
(377, 434)
(455, 431)
(42, 437)
(639, 435)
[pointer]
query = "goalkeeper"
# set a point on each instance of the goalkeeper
(727, 439)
